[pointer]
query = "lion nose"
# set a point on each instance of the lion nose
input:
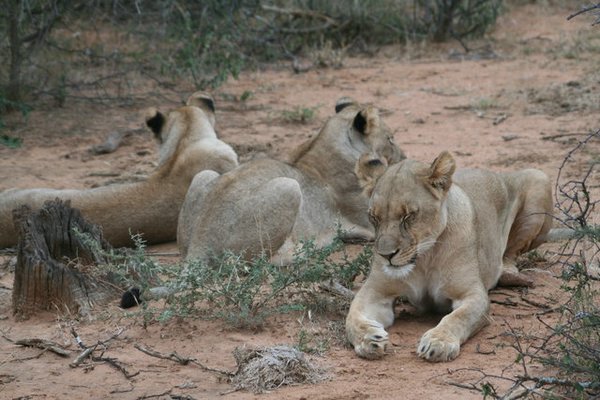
(391, 255)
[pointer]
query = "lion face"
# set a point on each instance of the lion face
(367, 131)
(406, 207)
(377, 136)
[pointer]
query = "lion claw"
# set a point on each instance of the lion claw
(438, 346)
(373, 345)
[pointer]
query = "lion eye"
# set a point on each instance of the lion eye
(408, 219)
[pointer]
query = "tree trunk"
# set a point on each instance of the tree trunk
(446, 9)
(51, 260)
(13, 91)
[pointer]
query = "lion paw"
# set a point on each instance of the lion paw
(373, 344)
(438, 346)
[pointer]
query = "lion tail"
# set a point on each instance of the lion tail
(134, 296)
(561, 234)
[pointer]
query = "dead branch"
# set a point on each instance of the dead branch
(88, 352)
(169, 393)
(562, 135)
(113, 362)
(585, 10)
(45, 345)
(173, 356)
(81, 357)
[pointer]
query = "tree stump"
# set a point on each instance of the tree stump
(52, 261)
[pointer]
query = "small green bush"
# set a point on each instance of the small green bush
(246, 293)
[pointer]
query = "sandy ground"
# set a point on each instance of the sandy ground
(522, 98)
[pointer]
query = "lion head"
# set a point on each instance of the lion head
(405, 206)
(184, 126)
(370, 129)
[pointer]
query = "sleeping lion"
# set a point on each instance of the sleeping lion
(443, 239)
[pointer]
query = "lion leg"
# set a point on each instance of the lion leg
(470, 314)
(534, 218)
(531, 224)
(511, 276)
(370, 313)
(187, 215)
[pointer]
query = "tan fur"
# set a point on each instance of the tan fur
(267, 206)
(443, 239)
(151, 207)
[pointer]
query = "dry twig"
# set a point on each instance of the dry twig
(173, 356)
(88, 352)
(43, 344)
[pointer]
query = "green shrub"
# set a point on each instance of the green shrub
(245, 293)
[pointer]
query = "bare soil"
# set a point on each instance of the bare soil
(522, 97)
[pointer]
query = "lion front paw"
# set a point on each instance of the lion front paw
(373, 345)
(437, 345)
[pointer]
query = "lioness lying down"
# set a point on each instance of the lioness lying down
(268, 206)
(443, 239)
(189, 145)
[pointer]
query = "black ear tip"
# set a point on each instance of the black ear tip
(156, 123)
(360, 122)
(130, 298)
(210, 103)
(202, 100)
(343, 103)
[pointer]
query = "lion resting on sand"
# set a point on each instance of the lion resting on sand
(443, 239)
(189, 145)
(268, 207)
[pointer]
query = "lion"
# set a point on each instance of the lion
(443, 239)
(268, 207)
(189, 145)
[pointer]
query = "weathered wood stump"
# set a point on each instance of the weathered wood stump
(53, 262)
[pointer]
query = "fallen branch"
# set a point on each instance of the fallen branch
(41, 344)
(81, 357)
(173, 356)
(113, 362)
(562, 135)
(584, 10)
(168, 393)
(88, 352)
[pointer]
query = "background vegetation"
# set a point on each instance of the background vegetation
(98, 50)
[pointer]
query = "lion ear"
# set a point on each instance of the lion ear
(155, 120)
(367, 120)
(205, 102)
(201, 100)
(344, 102)
(368, 170)
(441, 171)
